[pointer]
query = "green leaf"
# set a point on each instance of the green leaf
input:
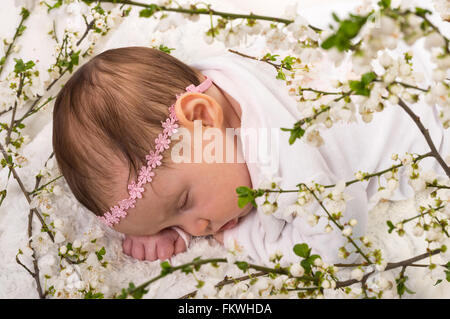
(3, 195)
(302, 250)
(90, 295)
(24, 13)
(165, 49)
(20, 66)
(438, 282)
(281, 75)
(243, 201)
(148, 12)
(348, 29)
(246, 195)
(306, 264)
(296, 133)
(384, 4)
(329, 42)
(100, 253)
(335, 17)
(56, 5)
(422, 11)
(391, 226)
(368, 77)
(242, 265)
(165, 265)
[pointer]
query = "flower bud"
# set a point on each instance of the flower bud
(296, 270)
(318, 262)
(62, 250)
(347, 231)
(418, 230)
(353, 222)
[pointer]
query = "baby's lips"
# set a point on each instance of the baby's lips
(229, 225)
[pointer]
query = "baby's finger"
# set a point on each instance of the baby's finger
(137, 251)
(126, 246)
(180, 245)
(150, 251)
(165, 250)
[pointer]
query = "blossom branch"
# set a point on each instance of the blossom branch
(403, 263)
(334, 221)
(139, 291)
(19, 31)
(207, 11)
(427, 136)
(227, 282)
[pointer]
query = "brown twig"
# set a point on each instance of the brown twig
(427, 136)
(226, 282)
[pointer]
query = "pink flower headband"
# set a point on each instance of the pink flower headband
(154, 158)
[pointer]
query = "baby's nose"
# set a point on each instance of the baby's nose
(198, 227)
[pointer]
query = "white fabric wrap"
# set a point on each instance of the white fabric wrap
(265, 104)
(186, 237)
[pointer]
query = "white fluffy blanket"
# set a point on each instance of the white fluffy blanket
(74, 222)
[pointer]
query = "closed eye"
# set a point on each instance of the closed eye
(183, 200)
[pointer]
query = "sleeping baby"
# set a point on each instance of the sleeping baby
(156, 149)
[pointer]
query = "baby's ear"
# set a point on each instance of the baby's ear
(193, 106)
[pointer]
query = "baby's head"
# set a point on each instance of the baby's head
(105, 121)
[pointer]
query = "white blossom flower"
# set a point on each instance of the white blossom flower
(294, 211)
(57, 190)
(312, 220)
(261, 284)
(28, 4)
(296, 270)
(76, 243)
(207, 290)
(279, 281)
(92, 260)
(434, 40)
(347, 231)
(392, 184)
(352, 222)
(418, 184)
(418, 230)
(381, 266)
(443, 8)
(231, 257)
(434, 234)
(385, 60)
(59, 237)
(357, 274)
(406, 159)
(383, 283)
(63, 250)
(268, 208)
(326, 284)
(318, 262)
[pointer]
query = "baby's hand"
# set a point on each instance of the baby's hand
(161, 246)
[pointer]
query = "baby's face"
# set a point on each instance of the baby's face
(200, 198)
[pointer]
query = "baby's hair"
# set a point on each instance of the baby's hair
(108, 115)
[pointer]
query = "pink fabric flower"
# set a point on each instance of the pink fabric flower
(146, 174)
(162, 142)
(153, 159)
(169, 126)
(135, 190)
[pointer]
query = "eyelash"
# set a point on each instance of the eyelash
(186, 197)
